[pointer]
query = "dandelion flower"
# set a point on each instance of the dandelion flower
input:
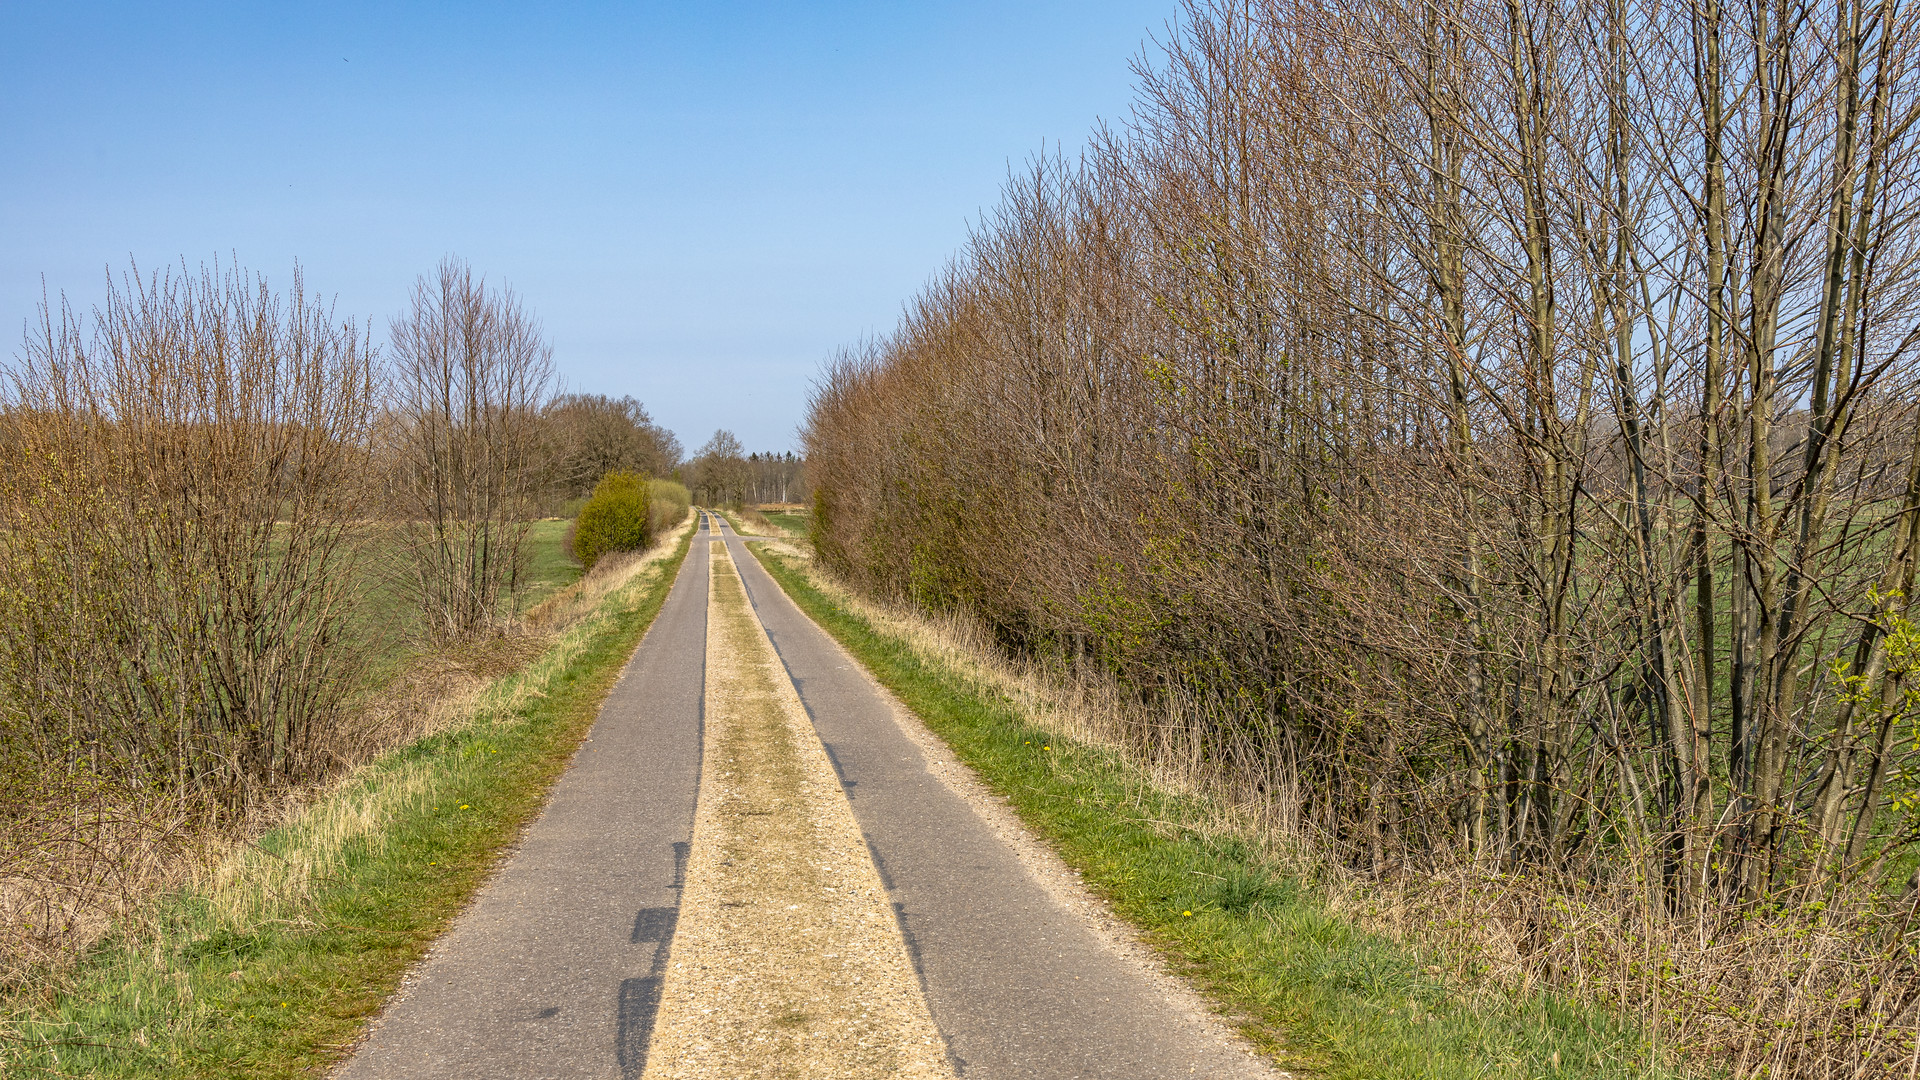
(1186, 913)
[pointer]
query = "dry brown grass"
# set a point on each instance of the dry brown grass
(1818, 986)
(749, 521)
(80, 857)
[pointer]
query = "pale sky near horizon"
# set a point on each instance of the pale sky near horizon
(700, 201)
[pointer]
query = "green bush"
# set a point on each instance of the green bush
(617, 518)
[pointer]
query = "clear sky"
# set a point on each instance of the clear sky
(700, 200)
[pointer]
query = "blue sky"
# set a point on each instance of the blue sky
(700, 200)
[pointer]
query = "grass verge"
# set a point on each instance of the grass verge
(1318, 994)
(271, 966)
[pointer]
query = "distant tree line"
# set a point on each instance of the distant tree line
(776, 478)
(591, 435)
(1486, 433)
(723, 474)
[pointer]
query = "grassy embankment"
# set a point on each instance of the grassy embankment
(748, 522)
(270, 965)
(1320, 995)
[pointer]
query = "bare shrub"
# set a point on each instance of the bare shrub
(181, 507)
(471, 374)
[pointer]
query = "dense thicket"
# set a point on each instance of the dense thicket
(179, 499)
(1490, 426)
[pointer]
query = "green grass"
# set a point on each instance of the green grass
(1322, 996)
(550, 567)
(390, 625)
(797, 524)
(313, 962)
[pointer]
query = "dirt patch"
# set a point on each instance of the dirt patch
(787, 961)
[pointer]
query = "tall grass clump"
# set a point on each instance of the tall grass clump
(618, 517)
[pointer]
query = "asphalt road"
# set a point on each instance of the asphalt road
(1017, 983)
(554, 971)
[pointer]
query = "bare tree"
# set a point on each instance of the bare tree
(471, 374)
(591, 435)
(719, 472)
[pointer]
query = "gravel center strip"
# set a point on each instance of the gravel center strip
(787, 960)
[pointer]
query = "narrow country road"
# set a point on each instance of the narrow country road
(561, 965)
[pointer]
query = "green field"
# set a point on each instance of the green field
(797, 524)
(391, 626)
(550, 567)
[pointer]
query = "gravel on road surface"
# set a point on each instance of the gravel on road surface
(786, 961)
